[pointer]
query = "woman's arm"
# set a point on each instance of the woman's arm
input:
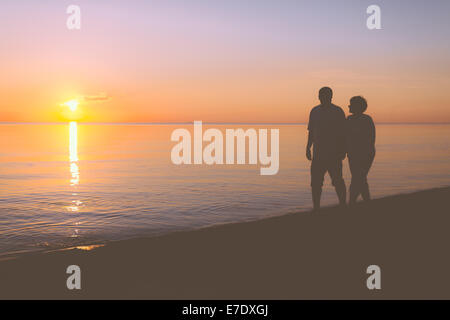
(372, 132)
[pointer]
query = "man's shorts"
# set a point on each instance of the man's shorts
(322, 166)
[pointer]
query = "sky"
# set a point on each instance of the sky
(222, 60)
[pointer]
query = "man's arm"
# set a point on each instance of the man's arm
(342, 136)
(309, 145)
(310, 138)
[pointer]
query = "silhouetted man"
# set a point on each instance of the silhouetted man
(327, 136)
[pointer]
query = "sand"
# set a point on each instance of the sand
(304, 255)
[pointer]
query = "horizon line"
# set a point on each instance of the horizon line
(192, 122)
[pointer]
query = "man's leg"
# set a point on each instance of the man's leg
(316, 195)
(317, 174)
(335, 171)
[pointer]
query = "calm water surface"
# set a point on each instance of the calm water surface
(76, 184)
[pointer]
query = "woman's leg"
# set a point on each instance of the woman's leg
(355, 189)
(365, 185)
(365, 191)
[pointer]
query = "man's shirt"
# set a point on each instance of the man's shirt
(327, 126)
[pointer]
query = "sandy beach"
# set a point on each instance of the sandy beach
(304, 255)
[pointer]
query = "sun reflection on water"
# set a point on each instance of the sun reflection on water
(73, 154)
(74, 169)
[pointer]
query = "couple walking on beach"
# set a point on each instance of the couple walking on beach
(333, 136)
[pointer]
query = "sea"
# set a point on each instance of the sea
(80, 185)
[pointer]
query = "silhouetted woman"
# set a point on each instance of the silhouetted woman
(360, 147)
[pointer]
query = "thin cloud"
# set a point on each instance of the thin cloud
(97, 97)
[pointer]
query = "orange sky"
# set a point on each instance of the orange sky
(222, 62)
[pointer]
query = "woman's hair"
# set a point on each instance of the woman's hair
(359, 101)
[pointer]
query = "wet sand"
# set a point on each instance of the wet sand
(304, 255)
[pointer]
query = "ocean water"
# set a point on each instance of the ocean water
(66, 185)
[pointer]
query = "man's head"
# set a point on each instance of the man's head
(325, 95)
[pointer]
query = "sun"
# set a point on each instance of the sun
(72, 104)
(72, 110)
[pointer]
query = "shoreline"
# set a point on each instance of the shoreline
(303, 255)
